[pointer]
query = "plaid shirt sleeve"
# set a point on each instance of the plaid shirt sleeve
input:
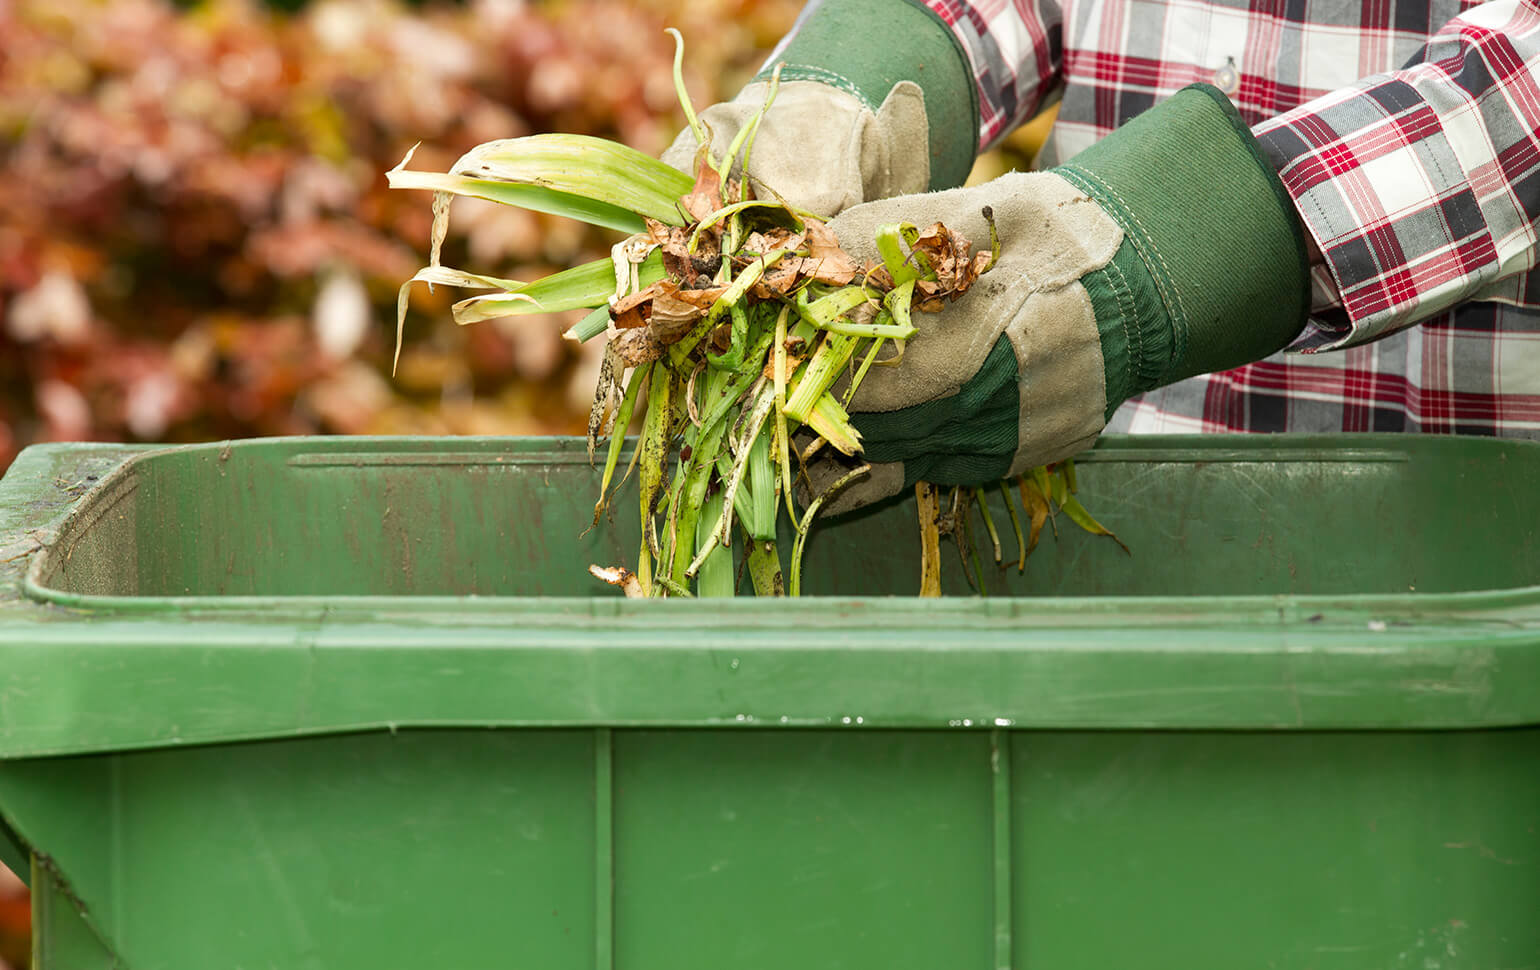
(1422, 186)
(1014, 48)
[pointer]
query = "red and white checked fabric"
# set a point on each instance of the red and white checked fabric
(1407, 133)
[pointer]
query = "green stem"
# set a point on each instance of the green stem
(655, 434)
(833, 353)
(804, 526)
(965, 517)
(732, 358)
(716, 578)
(761, 485)
(866, 365)
(989, 523)
(1021, 542)
(782, 433)
(753, 130)
(823, 311)
(692, 499)
(596, 322)
(765, 569)
(756, 420)
(684, 95)
(894, 331)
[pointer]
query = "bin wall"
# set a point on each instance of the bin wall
(776, 848)
(500, 517)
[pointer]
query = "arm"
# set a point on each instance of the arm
(1419, 189)
(1014, 52)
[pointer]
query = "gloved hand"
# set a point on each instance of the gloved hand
(1168, 249)
(818, 147)
(894, 112)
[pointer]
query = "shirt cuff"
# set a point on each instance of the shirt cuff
(1379, 186)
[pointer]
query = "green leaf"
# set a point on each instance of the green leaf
(582, 165)
(579, 288)
(761, 486)
(833, 425)
(533, 197)
(716, 577)
(590, 179)
(1077, 514)
(764, 562)
(889, 237)
(823, 369)
(825, 310)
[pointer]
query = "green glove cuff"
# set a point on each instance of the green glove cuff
(1212, 272)
(864, 47)
(969, 436)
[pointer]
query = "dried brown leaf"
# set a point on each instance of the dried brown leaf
(705, 197)
(629, 319)
(780, 280)
(1036, 504)
(702, 298)
(672, 318)
(663, 287)
(679, 263)
(834, 265)
(956, 268)
(636, 347)
(929, 296)
(834, 270)
(761, 242)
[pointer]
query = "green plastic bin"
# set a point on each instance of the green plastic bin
(354, 703)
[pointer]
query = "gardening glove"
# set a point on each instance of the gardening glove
(1166, 250)
(849, 122)
(821, 149)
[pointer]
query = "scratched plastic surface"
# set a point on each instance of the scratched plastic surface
(353, 703)
(1202, 517)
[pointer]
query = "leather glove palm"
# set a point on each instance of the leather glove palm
(850, 121)
(819, 148)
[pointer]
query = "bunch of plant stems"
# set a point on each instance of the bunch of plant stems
(740, 330)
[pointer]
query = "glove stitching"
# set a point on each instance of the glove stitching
(807, 72)
(1133, 337)
(1148, 251)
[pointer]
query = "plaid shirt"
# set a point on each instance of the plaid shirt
(1406, 133)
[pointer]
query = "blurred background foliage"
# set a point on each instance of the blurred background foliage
(196, 241)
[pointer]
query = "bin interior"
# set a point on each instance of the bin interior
(507, 517)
